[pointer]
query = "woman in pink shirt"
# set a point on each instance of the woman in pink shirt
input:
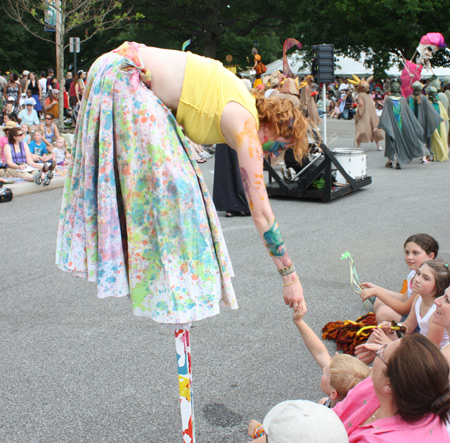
(406, 400)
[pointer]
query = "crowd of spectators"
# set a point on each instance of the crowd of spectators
(30, 105)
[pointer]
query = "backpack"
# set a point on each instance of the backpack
(6, 195)
(263, 68)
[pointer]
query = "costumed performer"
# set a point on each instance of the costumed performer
(260, 69)
(439, 141)
(412, 72)
(136, 216)
(428, 118)
(404, 134)
(307, 102)
(366, 119)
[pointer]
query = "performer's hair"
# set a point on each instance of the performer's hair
(287, 120)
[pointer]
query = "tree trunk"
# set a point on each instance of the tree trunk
(211, 42)
(60, 29)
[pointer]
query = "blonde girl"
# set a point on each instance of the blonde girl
(61, 154)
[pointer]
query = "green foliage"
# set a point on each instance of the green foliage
(218, 28)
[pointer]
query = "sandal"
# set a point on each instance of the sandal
(38, 177)
(48, 179)
(389, 164)
(47, 168)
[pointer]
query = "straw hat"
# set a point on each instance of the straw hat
(10, 125)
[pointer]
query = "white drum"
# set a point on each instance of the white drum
(354, 161)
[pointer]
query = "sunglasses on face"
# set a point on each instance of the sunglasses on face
(47, 118)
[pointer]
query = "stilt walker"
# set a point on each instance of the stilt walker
(137, 218)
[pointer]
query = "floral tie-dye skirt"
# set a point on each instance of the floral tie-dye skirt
(136, 216)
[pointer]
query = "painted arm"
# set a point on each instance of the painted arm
(240, 132)
(314, 344)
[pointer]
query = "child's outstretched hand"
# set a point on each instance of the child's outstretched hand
(297, 316)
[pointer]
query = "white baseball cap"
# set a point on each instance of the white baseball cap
(302, 421)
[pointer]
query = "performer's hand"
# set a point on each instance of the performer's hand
(293, 293)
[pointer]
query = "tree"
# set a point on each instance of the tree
(210, 23)
(378, 28)
(93, 16)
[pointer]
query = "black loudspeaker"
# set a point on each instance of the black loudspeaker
(324, 63)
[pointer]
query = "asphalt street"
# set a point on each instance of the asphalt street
(75, 368)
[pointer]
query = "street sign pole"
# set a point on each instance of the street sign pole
(74, 46)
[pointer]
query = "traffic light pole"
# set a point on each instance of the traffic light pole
(324, 97)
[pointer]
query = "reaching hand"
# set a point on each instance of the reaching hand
(368, 285)
(379, 337)
(366, 352)
(298, 315)
(366, 293)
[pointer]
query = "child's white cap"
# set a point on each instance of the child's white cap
(302, 421)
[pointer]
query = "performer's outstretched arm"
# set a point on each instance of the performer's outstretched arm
(242, 135)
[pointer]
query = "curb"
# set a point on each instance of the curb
(27, 188)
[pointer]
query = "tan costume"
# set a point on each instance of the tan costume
(308, 104)
(366, 121)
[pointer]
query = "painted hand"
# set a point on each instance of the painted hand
(293, 296)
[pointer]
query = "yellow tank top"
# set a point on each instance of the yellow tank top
(207, 88)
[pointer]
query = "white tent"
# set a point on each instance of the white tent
(343, 66)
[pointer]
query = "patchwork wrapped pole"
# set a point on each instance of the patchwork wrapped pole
(183, 348)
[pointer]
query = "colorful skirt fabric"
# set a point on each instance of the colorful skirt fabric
(136, 216)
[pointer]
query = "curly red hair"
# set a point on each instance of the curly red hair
(287, 120)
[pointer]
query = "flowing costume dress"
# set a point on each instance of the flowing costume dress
(136, 216)
(404, 134)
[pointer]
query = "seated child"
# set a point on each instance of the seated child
(26, 135)
(38, 148)
(430, 282)
(391, 305)
(61, 154)
(336, 111)
(340, 373)
(302, 421)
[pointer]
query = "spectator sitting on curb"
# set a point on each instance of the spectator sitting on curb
(51, 105)
(18, 158)
(38, 149)
(62, 155)
(29, 115)
(302, 421)
(49, 129)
